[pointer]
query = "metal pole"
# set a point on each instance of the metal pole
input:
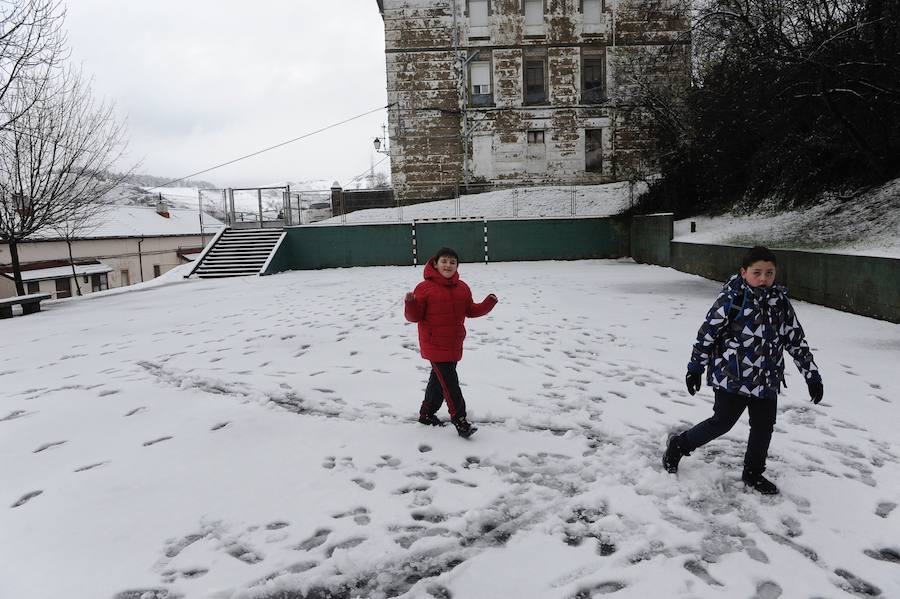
(259, 199)
(286, 206)
(200, 210)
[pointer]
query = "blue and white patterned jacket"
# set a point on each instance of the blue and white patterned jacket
(742, 341)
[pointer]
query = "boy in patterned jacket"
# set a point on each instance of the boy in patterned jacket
(741, 345)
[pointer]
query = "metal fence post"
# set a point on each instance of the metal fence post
(259, 199)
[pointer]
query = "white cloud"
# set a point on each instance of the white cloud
(206, 81)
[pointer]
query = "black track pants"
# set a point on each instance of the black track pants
(444, 384)
(726, 411)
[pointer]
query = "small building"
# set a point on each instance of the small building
(128, 245)
(487, 93)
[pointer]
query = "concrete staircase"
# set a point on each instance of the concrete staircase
(238, 253)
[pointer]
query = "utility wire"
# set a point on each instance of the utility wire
(284, 143)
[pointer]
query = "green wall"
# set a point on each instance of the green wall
(327, 246)
(466, 237)
(323, 246)
(557, 239)
(650, 237)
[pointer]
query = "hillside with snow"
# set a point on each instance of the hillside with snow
(868, 223)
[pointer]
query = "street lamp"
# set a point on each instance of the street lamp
(378, 141)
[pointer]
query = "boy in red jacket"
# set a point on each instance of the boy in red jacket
(440, 304)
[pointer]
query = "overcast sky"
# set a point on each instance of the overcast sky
(204, 81)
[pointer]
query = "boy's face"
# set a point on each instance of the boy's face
(446, 265)
(759, 274)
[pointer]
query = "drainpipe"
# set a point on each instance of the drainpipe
(141, 259)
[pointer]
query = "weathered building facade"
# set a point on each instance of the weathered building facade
(525, 92)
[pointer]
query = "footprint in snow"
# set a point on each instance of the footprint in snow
(170, 576)
(318, 538)
(360, 515)
(884, 555)
(155, 441)
(389, 461)
(856, 585)
(768, 590)
(146, 594)
(26, 498)
(47, 446)
(604, 588)
(348, 544)
(90, 467)
(697, 569)
(365, 484)
(243, 553)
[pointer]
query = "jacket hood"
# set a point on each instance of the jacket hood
(737, 285)
(432, 274)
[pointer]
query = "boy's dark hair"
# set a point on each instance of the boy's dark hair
(445, 251)
(756, 254)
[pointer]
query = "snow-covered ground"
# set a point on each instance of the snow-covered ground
(530, 202)
(868, 224)
(255, 438)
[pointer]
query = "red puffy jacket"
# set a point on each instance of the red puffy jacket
(440, 308)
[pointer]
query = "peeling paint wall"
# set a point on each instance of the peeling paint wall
(440, 140)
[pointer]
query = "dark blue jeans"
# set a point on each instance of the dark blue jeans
(726, 412)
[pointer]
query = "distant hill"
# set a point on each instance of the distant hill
(154, 181)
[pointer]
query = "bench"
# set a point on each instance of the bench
(30, 304)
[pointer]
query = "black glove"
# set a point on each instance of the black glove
(815, 390)
(692, 380)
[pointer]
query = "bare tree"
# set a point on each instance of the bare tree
(53, 163)
(31, 48)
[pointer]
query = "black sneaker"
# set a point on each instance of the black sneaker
(758, 482)
(430, 419)
(463, 427)
(673, 454)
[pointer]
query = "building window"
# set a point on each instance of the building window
(124, 278)
(534, 17)
(478, 12)
(99, 282)
(480, 83)
(156, 270)
(33, 287)
(592, 11)
(535, 137)
(593, 79)
(535, 80)
(63, 288)
(593, 150)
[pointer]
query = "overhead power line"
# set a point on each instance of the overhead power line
(258, 152)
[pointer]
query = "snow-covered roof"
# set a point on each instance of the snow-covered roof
(61, 272)
(138, 221)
